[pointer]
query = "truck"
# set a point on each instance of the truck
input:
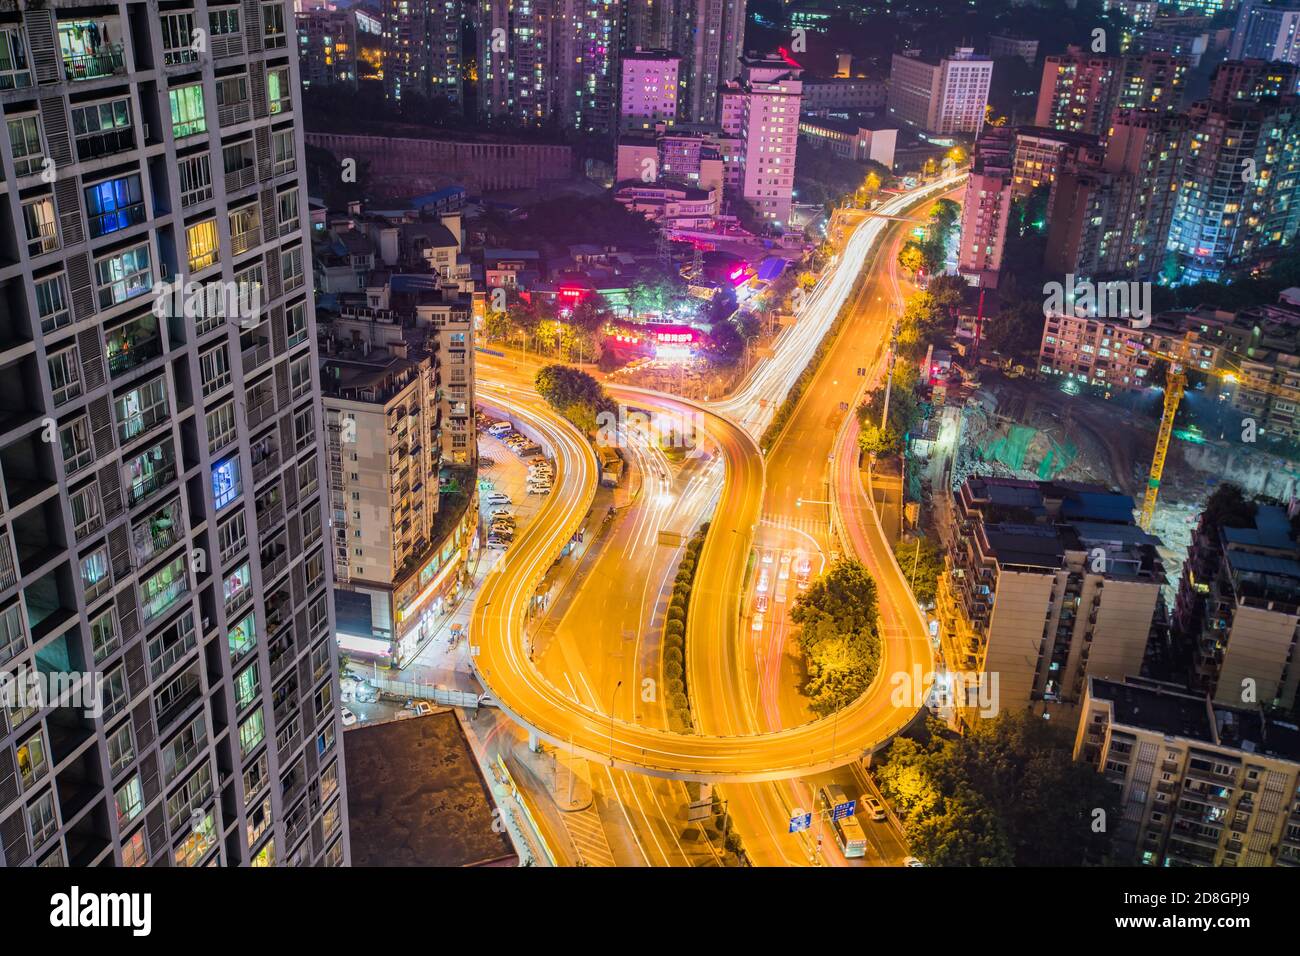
(611, 466)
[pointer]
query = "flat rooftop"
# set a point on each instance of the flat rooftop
(416, 797)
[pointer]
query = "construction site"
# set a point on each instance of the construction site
(1030, 429)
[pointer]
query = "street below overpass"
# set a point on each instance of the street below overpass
(738, 750)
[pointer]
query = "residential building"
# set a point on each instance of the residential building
(422, 49)
(986, 209)
(855, 94)
(516, 77)
(1238, 607)
(167, 550)
(1081, 91)
(1239, 196)
(1113, 356)
(1039, 153)
(943, 96)
(648, 92)
(1200, 783)
(1266, 31)
(1048, 583)
(329, 44)
(857, 138)
(1110, 213)
(710, 36)
(404, 529)
(769, 135)
(1010, 44)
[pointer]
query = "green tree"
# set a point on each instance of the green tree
(910, 257)
(1007, 793)
(922, 562)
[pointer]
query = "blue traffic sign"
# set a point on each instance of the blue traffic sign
(799, 823)
(845, 809)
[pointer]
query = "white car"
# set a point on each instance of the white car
(499, 498)
(912, 861)
(539, 489)
(349, 718)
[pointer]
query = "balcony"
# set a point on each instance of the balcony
(232, 114)
(132, 345)
(260, 408)
(156, 533)
(266, 458)
(240, 177)
(256, 355)
(148, 475)
(170, 647)
(270, 513)
(105, 60)
(121, 218)
(244, 240)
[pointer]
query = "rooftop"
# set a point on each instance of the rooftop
(1172, 711)
(416, 797)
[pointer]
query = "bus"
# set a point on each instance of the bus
(848, 832)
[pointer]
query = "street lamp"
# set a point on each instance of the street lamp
(612, 695)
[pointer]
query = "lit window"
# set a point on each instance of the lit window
(225, 482)
(188, 118)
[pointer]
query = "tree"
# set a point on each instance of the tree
(922, 562)
(837, 636)
(1017, 330)
(879, 441)
(846, 594)
(910, 257)
(574, 394)
(1007, 793)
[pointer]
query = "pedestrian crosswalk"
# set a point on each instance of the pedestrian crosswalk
(588, 835)
(809, 525)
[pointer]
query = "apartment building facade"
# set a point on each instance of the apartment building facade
(1238, 606)
(769, 135)
(1115, 357)
(422, 49)
(399, 554)
(1047, 583)
(986, 208)
(1200, 784)
(161, 487)
(943, 97)
(1080, 91)
(648, 91)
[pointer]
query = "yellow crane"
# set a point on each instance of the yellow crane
(1175, 385)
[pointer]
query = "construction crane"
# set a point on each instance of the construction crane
(1175, 386)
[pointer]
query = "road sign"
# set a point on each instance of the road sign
(800, 822)
(845, 809)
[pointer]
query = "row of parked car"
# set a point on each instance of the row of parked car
(501, 531)
(521, 445)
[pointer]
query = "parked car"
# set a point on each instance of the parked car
(485, 462)
(499, 498)
(912, 861)
(539, 489)
(349, 718)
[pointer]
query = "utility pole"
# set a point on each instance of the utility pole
(889, 376)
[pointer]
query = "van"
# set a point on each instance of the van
(499, 429)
